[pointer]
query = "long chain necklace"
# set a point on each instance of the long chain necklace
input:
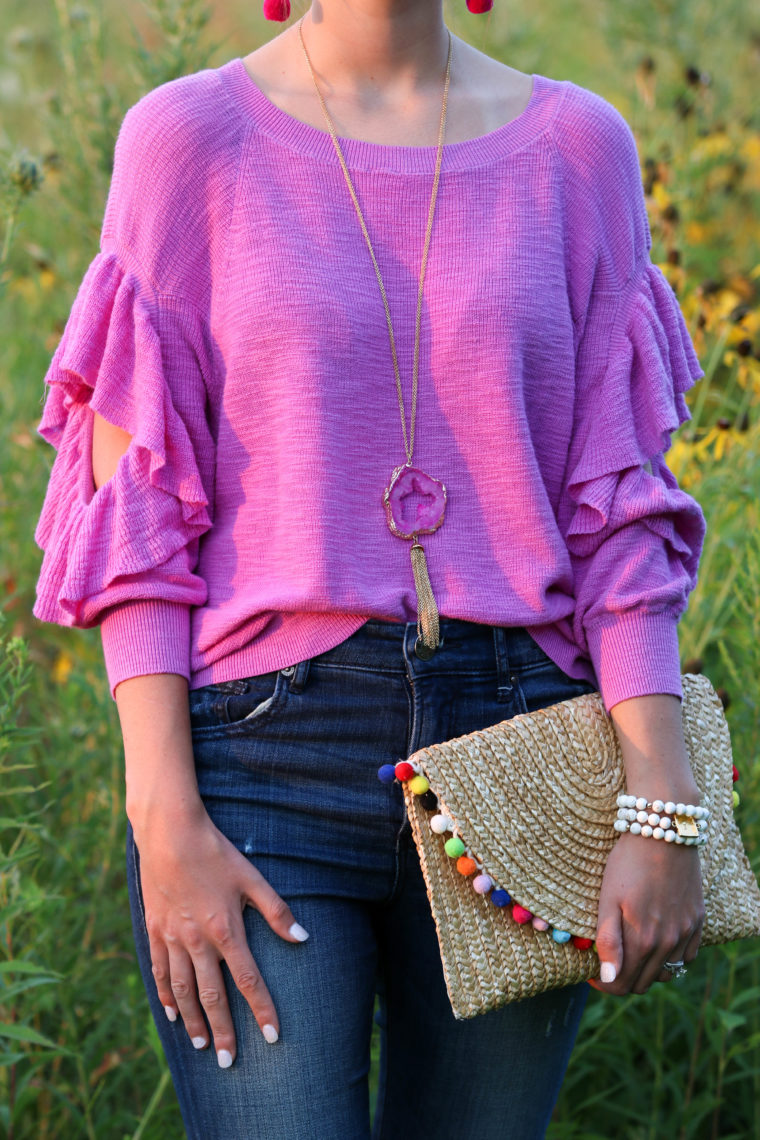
(414, 502)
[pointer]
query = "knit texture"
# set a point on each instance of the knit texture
(231, 322)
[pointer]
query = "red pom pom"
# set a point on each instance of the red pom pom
(736, 773)
(520, 914)
(582, 943)
(404, 771)
(277, 9)
(479, 6)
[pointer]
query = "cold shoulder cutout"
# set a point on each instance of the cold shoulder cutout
(133, 357)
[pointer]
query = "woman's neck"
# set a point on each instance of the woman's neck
(370, 50)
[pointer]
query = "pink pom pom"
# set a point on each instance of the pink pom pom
(479, 6)
(540, 924)
(520, 914)
(482, 884)
(277, 9)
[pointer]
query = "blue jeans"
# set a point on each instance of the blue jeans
(287, 768)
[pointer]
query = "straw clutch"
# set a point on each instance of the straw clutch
(534, 801)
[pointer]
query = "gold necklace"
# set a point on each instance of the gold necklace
(414, 502)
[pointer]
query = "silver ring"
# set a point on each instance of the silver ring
(677, 969)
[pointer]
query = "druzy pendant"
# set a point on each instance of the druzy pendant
(414, 502)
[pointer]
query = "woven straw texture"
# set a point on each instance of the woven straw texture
(534, 799)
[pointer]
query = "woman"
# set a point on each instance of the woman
(221, 504)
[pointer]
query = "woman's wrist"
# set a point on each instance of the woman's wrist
(161, 785)
(649, 730)
(162, 816)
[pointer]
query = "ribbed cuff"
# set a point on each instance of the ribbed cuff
(146, 636)
(635, 654)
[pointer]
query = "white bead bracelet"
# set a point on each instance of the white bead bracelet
(670, 835)
(658, 806)
(681, 823)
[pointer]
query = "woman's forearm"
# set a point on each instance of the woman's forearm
(650, 731)
(161, 787)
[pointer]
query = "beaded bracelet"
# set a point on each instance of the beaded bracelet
(682, 823)
(668, 806)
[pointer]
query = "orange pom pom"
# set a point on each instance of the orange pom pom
(466, 865)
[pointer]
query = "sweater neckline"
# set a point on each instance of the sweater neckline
(360, 154)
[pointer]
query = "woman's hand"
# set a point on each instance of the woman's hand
(195, 885)
(651, 910)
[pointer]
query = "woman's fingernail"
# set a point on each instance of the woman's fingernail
(224, 1057)
(170, 1013)
(270, 1033)
(298, 932)
(609, 973)
(198, 1042)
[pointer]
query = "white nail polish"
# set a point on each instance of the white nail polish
(270, 1033)
(198, 1042)
(608, 973)
(224, 1057)
(298, 932)
(170, 1013)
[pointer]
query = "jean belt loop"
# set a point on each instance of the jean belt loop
(297, 675)
(504, 677)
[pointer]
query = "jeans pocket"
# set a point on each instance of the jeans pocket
(239, 706)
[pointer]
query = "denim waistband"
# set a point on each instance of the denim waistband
(464, 647)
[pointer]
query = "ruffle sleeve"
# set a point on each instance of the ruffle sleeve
(633, 535)
(137, 359)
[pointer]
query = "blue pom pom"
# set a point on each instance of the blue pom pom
(387, 773)
(561, 935)
(500, 897)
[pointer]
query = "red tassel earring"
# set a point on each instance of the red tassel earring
(277, 9)
(479, 6)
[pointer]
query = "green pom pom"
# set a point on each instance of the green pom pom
(737, 801)
(454, 847)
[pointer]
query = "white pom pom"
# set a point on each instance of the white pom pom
(441, 823)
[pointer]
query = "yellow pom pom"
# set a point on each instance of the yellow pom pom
(737, 801)
(419, 784)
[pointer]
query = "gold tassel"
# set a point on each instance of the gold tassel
(427, 610)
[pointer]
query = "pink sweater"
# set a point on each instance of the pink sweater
(231, 322)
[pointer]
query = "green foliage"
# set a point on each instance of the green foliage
(79, 1054)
